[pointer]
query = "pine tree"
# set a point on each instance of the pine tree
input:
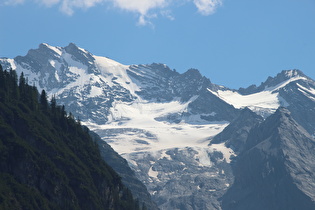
(22, 88)
(53, 105)
(2, 85)
(13, 85)
(43, 101)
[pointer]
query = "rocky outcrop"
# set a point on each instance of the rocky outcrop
(235, 134)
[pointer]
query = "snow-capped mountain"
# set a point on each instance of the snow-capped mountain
(291, 89)
(150, 114)
(162, 121)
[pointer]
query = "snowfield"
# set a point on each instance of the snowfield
(263, 103)
(140, 131)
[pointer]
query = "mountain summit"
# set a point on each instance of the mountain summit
(274, 82)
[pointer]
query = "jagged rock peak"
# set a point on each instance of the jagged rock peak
(278, 124)
(193, 73)
(160, 66)
(282, 117)
(74, 48)
(46, 48)
(41, 53)
(283, 113)
(283, 76)
(292, 73)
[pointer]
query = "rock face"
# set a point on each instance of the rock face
(180, 133)
(276, 170)
(235, 134)
(185, 178)
(129, 179)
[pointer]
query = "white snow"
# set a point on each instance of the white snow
(227, 152)
(12, 63)
(57, 76)
(164, 135)
(52, 63)
(142, 115)
(95, 91)
(152, 173)
(291, 73)
(117, 72)
(267, 100)
(164, 155)
(308, 92)
(202, 157)
(55, 49)
(264, 99)
(281, 85)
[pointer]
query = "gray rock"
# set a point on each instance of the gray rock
(276, 170)
(236, 133)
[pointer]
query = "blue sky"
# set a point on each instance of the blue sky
(234, 43)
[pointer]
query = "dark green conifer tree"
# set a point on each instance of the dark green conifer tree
(43, 101)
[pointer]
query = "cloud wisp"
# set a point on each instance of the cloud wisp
(146, 9)
(207, 7)
(141, 7)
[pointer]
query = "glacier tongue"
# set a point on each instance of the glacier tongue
(172, 159)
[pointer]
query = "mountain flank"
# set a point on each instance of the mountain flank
(276, 169)
(47, 160)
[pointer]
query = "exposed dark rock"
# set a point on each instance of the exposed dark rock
(236, 133)
(276, 169)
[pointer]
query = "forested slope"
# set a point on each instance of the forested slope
(47, 160)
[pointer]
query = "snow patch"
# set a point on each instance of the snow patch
(95, 91)
(308, 92)
(203, 156)
(164, 155)
(227, 152)
(264, 99)
(116, 73)
(12, 63)
(152, 173)
(291, 73)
